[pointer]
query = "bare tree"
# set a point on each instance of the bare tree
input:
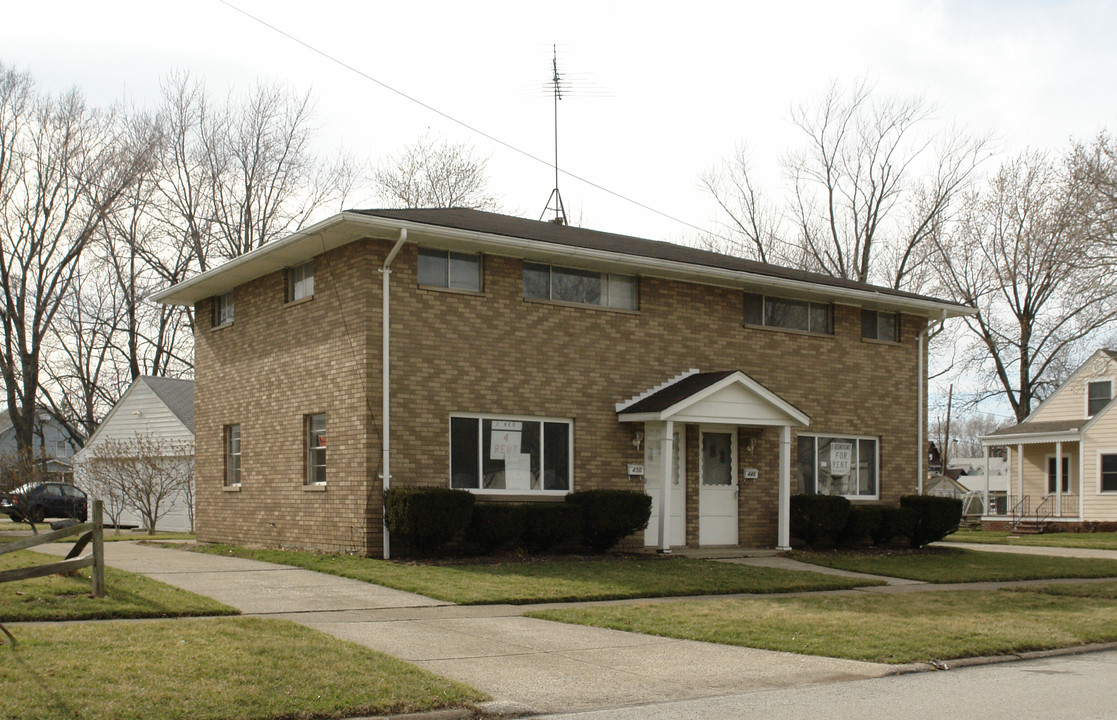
(434, 173)
(63, 167)
(873, 183)
(1025, 256)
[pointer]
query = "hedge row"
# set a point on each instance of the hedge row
(828, 521)
(428, 518)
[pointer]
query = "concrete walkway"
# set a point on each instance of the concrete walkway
(1066, 552)
(538, 665)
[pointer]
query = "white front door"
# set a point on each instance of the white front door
(717, 487)
(653, 484)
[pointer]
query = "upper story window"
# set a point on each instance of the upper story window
(585, 287)
(223, 310)
(300, 282)
(877, 325)
(1098, 395)
(812, 317)
(446, 269)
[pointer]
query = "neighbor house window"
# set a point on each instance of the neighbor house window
(232, 455)
(836, 465)
(1051, 484)
(1108, 468)
(445, 269)
(510, 454)
(316, 449)
(880, 325)
(300, 282)
(812, 317)
(1098, 395)
(223, 310)
(585, 287)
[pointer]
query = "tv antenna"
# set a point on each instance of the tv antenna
(554, 202)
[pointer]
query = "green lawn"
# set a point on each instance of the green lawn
(212, 669)
(954, 565)
(874, 627)
(59, 597)
(554, 580)
(1092, 540)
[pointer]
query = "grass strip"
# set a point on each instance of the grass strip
(886, 628)
(954, 565)
(67, 597)
(566, 580)
(1091, 540)
(212, 669)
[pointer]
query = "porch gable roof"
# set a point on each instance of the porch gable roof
(726, 396)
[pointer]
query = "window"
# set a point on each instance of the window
(316, 449)
(1098, 395)
(232, 455)
(1108, 466)
(512, 455)
(223, 310)
(1051, 474)
(880, 326)
(300, 282)
(584, 287)
(442, 268)
(812, 317)
(831, 465)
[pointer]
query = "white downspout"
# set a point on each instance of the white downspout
(923, 336)
(385, 391)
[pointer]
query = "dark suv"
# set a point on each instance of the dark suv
(40, 500)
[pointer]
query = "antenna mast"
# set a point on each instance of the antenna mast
(554, 202)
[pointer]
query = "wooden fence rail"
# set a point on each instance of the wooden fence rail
(91, 533)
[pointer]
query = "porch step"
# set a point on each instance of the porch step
(1029, 527)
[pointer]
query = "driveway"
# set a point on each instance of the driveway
(539, 665)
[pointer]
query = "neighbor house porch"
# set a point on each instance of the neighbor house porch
(1045, 473)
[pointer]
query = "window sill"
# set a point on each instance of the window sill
(317, 487)
(215, 328)
(452, 291)
(582, 306)
(874, 341)
(791, 331)
(515, 496)
(231, 488)
(300, 301)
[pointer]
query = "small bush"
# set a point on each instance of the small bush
(610, 515)
(818, 519)
(549, 524)
(935, 517)
(427, 517)
(862, 523)
(495, 525)
(895, 522)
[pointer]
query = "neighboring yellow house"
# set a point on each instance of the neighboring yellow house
(1063, 456)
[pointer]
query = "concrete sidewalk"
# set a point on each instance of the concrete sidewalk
(1089, 553)
(539, 665)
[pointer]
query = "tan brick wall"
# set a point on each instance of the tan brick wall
(497, 353)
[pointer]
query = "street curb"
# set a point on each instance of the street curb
(998, 659)
(488, 709)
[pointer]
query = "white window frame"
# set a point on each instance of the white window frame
(856, 461)
(445, 256)
(229, 455)
(480, 417)
(300, 281)
(1067, 476)
(1086, 393)
(605, 284)
(222, 303)
(1100, 454)
(308, 431)
(731, 431)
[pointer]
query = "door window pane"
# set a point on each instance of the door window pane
(717, 458)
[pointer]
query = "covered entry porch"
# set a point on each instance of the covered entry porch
(717, 457)
(1045, 472)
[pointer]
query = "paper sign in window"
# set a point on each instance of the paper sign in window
(517, 471)
(841, 455)
(503, 444)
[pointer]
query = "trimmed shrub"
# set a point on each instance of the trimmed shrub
(895, 522)
(495, 525)
(549, 524)
(935, 517)
(610, 515)
(426, 518)
(818, 519)
(862, 523)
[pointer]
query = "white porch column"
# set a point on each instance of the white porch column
(1019, 472)
(665, 487)
(986, 508)
(1058, 478)
(783, 522)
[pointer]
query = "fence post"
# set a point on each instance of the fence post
(98, 550)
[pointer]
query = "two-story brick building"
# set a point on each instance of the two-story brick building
(528, 360)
